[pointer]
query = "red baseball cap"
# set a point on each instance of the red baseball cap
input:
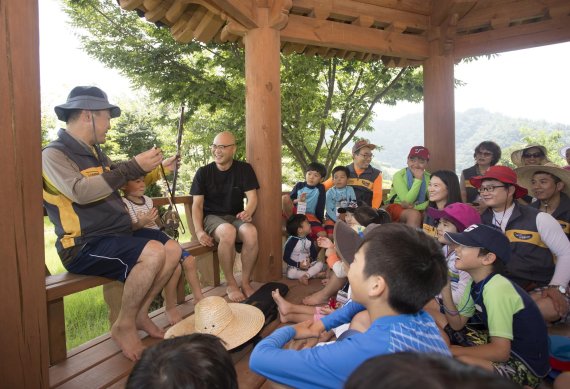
(419, 152)
(504, 174)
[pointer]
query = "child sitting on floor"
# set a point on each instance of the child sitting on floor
(514, 342)
(144, 215)
(395, 272)
(340, 196)
(300, 251)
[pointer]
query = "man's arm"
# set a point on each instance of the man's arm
(342, 316)
(250, 207)
(553, 236)
(377, 192)
(198, 220)
(497, 350)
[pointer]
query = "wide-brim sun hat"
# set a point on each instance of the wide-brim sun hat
(484, 236)
(460, 214)
(234, 323)
(89, 98)
(563, 151)
(525, 174)
(347, 239)
(504, 174)
(516, 156)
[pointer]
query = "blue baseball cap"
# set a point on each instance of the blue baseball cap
(484, 236)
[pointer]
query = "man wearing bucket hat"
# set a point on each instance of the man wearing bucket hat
(365, 179)
(94, 230)
(395, 272)
(535, 239)
(513, 342)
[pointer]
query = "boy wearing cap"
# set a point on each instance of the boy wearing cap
(94, 231)
(514, 342)
(535, 240)
(408, 195)
(395, 272)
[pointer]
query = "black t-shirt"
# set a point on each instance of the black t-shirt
(224, 191)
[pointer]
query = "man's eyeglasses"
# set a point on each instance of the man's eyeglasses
(533, 155)
(221, 147)
(484, 153)
(367, 156)
(490, 189)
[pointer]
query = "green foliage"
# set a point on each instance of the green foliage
(48, 124)
(552, 140)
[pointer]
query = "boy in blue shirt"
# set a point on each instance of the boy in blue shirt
(395, 272)
(308, 198)
(514, 341)
(340, 196)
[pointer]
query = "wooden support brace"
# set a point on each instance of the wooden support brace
(56, 331)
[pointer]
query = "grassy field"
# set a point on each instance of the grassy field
(85, 312)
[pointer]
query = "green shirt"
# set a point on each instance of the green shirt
(403, 194)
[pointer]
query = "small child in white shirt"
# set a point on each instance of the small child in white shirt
(300, 252)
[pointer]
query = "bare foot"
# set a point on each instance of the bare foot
(282, 317)
(198, 297)
(145, 324)
(324, 281)
(172, 315)
(321, 275)
(235, 294)
(128, 340)
(247, 289)
(304, 279)
(283, 305)
(316, 298)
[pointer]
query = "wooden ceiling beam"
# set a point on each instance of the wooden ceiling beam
(208, 27)
(419, 6)
(442, 10)
(523, 36)
(175, 11)
(130, 5)
(324, 33)
(159, 11)
(351, 10)
(240, 10)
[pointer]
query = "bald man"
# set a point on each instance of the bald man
(219, 214)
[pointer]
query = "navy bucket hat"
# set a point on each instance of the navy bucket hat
(89, 98)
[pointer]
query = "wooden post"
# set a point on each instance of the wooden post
(23, 322)
(263, 139)
(439, 109)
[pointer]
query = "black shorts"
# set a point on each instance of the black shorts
(113, 256)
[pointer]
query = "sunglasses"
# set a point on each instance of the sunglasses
(533, 155)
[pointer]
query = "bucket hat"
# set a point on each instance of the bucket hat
(525, 174)
(362, 143)
(234, 323)
(563, 151)
(500, 173)
(484, 236)
(516, 156)
(347, 240)
(461, 215)
(89, 98)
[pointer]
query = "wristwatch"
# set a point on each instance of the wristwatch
(561, 289)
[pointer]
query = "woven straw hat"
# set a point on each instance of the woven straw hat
(516, 156)
(234, 323)
(525, 174)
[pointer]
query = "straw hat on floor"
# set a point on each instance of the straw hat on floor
(234, 323)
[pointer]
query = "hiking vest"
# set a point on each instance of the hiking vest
(472, 192)
(75, 224)
(531, 260)
(561, 213)
(363, 184)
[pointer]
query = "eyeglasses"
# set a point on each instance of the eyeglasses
(484, 153)
(367, 156)
(221, 147)
(490, 189)
(533, 155)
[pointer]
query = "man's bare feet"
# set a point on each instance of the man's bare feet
(304, 279)
(283, 305)
(128, 340)
(316, 298)
(144, 323)
(235, 294)
(173, 315)
(247, 289)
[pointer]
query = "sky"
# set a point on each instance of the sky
(532, 84)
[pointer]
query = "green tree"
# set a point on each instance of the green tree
(325, 102)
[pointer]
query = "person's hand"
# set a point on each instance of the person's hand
(171, 163)
(244, 216)
(456, 350)
(308, 329)
(147, 217)
(406, 205)
(558, 300)
(205, 239)
(149, 159)
(323, 241)
(418, 173)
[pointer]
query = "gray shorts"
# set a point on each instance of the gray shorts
(211, 222)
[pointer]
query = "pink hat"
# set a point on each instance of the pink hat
(504, 174)
(461, 215)
(419, 152)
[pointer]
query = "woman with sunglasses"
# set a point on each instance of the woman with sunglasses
(532, 154)
(486, 154)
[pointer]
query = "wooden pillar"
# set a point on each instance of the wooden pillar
(439, 109)
(263, 139)
(23, 322)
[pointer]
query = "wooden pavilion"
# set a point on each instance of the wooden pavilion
(432, 33)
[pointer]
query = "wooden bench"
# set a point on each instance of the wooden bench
(60, 285)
